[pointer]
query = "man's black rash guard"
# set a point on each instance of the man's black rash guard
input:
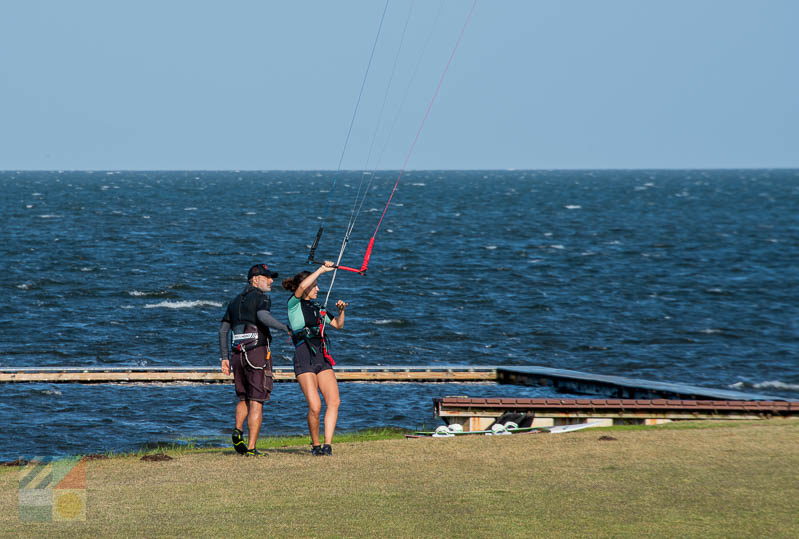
(264, 317)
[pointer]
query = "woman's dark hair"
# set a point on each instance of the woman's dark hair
(292, 283)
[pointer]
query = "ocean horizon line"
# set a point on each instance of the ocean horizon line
(329, 171)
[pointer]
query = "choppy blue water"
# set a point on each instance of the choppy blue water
(683, 276)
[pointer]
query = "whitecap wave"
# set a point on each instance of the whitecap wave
(771, 384)
(776, 384)
(182, 304)
(387, 321)
(573, 207)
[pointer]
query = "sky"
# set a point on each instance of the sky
(267, 85)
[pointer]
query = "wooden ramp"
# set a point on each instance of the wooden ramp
(584, 383)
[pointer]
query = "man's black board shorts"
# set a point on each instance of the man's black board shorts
(252, 384)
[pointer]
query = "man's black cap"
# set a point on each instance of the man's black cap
(261, 269)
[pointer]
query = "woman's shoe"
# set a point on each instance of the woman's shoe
(316, 451)
(327, 450)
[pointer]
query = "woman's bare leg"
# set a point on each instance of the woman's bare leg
(310, 388)
(329, 387)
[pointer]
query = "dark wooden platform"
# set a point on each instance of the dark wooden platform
(584, 383)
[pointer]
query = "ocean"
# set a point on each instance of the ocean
(685, 276)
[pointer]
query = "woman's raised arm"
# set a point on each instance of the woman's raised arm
(311, 279)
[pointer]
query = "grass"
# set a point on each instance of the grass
(708, 479)
(265, 443)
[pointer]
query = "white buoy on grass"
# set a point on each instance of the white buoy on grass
(442, 432)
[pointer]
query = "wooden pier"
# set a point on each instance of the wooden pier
(106, 375)
(633, 400)
(561, 380)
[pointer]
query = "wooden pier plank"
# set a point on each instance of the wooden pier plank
(213, 375)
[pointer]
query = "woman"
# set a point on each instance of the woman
(313, 364)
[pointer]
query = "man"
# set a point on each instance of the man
(247, 353)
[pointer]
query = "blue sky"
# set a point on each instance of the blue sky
(178, 84)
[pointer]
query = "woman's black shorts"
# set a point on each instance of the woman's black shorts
(306, 361)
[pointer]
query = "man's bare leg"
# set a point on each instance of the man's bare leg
(241, 414)
(254, 418)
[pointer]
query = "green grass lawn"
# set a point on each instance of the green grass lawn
(737, 479)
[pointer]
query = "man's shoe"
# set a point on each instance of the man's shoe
(327, 450)
(238, 442)
(254, 453)
(316, 451)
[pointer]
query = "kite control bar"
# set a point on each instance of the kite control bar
(312, 253)
(345, 268)
(364, 265)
